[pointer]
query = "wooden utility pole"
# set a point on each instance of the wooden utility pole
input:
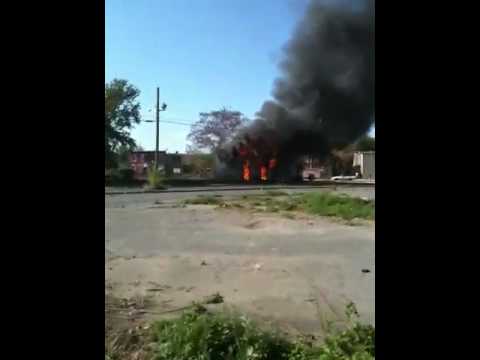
(157, 119)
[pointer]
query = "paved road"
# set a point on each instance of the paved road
(146, 199)
(360, 183)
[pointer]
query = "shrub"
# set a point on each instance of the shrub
(120, 177)
(276, 193)
(216, 337)
(188, 168)
(204, 200)
(357, 341)
(198, 334)
(328, 204)
(203, 335)
(155, 179)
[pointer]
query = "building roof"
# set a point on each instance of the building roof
(365, 152)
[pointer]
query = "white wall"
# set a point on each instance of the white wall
(366, 160)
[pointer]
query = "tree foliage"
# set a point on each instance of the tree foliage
(122, 112)
(122, 155)
(215, 128)
(366, 143)
(199, 164)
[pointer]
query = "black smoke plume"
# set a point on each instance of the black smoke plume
(325, 96)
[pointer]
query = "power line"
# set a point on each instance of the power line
(177, 119)
(170, 122)
(177, 122)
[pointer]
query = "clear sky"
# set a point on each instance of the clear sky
(203, 54)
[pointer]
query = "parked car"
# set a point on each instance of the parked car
(313, 174)
(345, 178)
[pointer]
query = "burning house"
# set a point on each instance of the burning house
(324, 99)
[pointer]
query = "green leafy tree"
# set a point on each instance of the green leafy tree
(366, 143)
(199, 164)
(122, 112)
(122, 155)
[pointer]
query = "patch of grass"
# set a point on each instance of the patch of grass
(316, 203)
(343, 206)
(231, 205)
(276, 193)
(203, 335)
(272, 209)
(215, 337)
(295, 194)
(204, 200)
(289, 216)
(128, 344)
(214, 299)
(287, 204)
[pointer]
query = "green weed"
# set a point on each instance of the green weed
(343, 206)
(201, 335)
(155, 179)
(204, 200)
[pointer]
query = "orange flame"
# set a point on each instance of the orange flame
(246, 171)
(263, 173)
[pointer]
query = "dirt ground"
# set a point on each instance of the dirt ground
(296, 273)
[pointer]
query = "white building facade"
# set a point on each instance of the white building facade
(366, 161)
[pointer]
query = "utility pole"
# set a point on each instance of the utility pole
(157, 119)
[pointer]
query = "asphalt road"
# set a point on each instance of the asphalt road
(145, 199)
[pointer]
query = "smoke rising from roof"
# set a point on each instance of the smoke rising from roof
(325, 96)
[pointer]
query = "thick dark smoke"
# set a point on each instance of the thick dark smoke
(325, 97)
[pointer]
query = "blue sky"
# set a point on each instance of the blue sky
(203, 54)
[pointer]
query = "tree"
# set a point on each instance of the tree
(198, 164)
(215, 129)
(122, 112)
(122, 155)
(366, 143)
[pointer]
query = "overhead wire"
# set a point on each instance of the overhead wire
(170, 122)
